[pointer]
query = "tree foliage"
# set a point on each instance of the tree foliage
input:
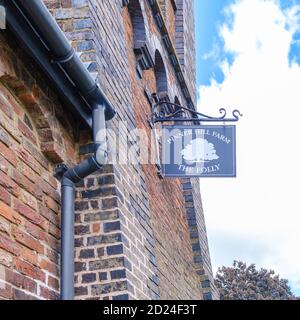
(242, 282)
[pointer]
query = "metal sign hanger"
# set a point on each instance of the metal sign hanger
(164, 111)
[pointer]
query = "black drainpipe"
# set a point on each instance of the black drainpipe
(69, 177)
(64, 55)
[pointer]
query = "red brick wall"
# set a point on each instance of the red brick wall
(29, 196)
(131, 233)
(169, 12)
(185, 41)
(173, 253)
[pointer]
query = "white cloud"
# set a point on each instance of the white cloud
(257, 216)
(213, 54)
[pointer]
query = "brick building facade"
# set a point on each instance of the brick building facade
(137, 235)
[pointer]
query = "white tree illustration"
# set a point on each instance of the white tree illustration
(199, 150)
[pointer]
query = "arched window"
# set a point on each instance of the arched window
(160, 76)
(138, 25)
(139, 35)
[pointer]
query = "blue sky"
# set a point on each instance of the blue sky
(209, 17)
(249, 59)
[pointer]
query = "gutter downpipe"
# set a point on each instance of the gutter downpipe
(69, 178)
(64, 55)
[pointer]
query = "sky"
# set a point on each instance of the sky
(248, 58)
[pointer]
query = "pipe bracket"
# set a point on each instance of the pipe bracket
(60, 170)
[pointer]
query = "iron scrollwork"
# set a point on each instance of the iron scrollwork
(165, 111)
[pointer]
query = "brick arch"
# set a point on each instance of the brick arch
(44, 122)
(160, 75)
(138, 23)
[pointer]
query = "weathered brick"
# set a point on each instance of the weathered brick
(5, 196)
(27, 240)
(21, 295)
(94, 204)
(110, 287)
(106, 180)
(48, 214)
(78, 242)
(9, 245)
(54, 230)
(88, 277)
(10, 186)
(6, 291)
(48, 294)
(100, 192)
(103, 276)
(96, 227)
(8, 213)
(29, 270)
(113, 250)
(100, 252)
(26, 184)
(80, 266)
(36, 231)
(29, 256)
(109, 203)
(82, 229)
(20, 281)
(87, 254)
(81, 205)
(110, 238)
(111, 226)
(118, 274)
(8, 154)
(27, 132)
(52, 204)
(28, 199)
(4, 138)
(28, 213)
(82, 24)
(81, 291)
(6, 258)
(101, 216)
(4, 105)
(4, 227)
(49, 266)
(4, 164)
(106, 263)
(53, 283)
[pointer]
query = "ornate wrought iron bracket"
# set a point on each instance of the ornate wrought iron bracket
(165, 111)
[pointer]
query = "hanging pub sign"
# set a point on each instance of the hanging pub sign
(199, 151)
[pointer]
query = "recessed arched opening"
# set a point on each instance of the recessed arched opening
(138, 24)
(160, 76)
(179, 31)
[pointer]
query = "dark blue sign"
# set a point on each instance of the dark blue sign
(199, 151)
